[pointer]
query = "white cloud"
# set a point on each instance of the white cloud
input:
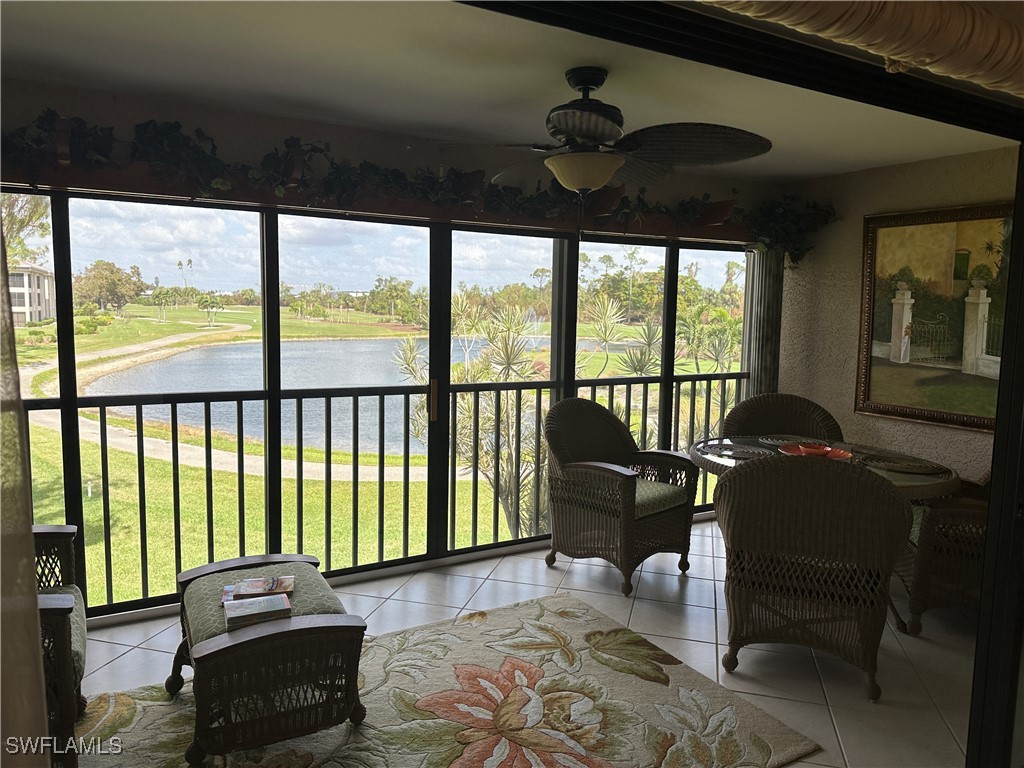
(225, 247)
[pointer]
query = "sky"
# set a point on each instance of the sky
(346, 255)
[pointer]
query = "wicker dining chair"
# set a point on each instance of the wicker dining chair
(609, 499)
(63, 633)
(810, 544)
(776, 413)
(942, 563)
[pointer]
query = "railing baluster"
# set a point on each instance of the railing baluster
(475, 467)
(645, 393)
(629, 407)
(611, 398)
(406, 408)
(355, 480)
(176, 488)
(240, 443)
(328, 481)
(105, 490)
(300, 491)
(380, 478)
(537, 461)
(452, 470)
(496, 496)
(517, 451)
(677, 391)
(140, 438)
(208, 450)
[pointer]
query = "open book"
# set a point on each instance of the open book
(240, 613)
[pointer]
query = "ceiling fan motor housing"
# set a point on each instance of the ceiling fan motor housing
(585, 121)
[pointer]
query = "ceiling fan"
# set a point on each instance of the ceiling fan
(592, 149)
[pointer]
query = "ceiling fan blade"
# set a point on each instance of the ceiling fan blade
(521, 174)
(639, 172)
(692, 144)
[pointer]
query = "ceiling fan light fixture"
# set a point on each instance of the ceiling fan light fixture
(583, 172)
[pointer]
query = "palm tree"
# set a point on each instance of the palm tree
(212, 304)
(606, 315)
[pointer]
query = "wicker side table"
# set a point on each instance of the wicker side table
(269, 681)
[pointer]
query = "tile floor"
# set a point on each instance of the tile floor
(921, 719)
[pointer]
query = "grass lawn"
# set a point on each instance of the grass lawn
(125, 527)
(939, 389)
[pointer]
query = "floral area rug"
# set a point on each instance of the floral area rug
(549, 682)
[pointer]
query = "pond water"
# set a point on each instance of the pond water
(304, 364)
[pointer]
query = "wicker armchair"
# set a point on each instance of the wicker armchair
(271, 681)
(609, 499)
(63, 631)
(942, 563)
(775, 413)
(810, 545)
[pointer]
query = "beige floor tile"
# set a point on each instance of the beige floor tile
(139, 666)
(593, 561)
(360, 605)
(167, 641)
(784, 675)
(395, 615)
(939, 654)
(134, 632)
(881, 738)
(902, 690)
(952, 694)
(666, 562)
(689, 622)
(438, 589)
(595, 578)
(493, 594)
(812, 720)
(383, 587)
(676, 589)
(99, 653)
(530, 570)
(479, 569)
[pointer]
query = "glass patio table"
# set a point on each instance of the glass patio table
(915, 478)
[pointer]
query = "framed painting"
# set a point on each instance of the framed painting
(932, 307)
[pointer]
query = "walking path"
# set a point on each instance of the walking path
(122, 439)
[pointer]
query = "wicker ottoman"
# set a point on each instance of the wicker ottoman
(269, 681)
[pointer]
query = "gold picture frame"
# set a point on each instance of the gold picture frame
(932, 302)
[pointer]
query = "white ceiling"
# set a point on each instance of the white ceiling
(440, 71)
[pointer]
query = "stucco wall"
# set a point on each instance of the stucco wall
(822, 296)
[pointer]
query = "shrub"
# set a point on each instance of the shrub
(982, 272)
(40, 323)
(87, 309)
(85, 326)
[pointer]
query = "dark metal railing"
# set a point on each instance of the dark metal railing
(184, 478)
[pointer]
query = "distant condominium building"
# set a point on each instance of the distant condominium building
(32, 294)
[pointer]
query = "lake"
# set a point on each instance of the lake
(318, 364)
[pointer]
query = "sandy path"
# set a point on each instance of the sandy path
(122, 439)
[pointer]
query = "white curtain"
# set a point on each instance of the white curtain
(21, 665)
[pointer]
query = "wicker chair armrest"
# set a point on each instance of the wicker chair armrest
(55, 605)
(238, 563)
(972, 491)
(232, 641)
(677, 466)
(601, 467)
(608, 489)
(968, 508)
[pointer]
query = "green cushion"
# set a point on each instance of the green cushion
(78, 631)
(653, 497)
(205, 614)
